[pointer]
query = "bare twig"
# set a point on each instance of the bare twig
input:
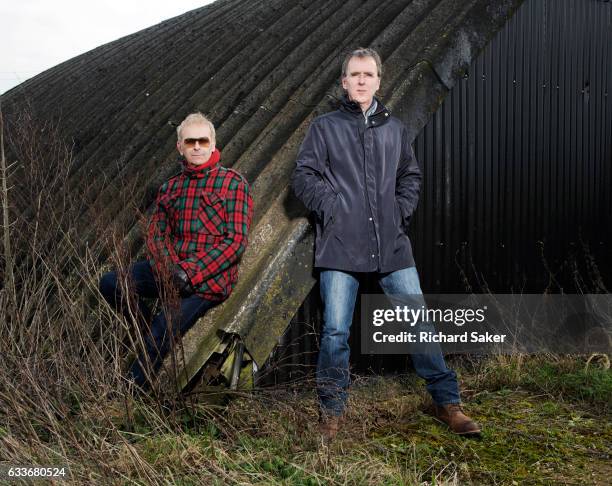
(9, 278)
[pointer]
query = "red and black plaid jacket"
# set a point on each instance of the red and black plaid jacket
(201, 221)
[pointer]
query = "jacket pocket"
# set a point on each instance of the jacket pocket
(212, 214)
(332, 215)
(397, 217)
(397, 214)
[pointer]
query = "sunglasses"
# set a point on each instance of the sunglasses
(203, 141)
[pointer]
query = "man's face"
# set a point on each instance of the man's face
(361, 80)
(196, 143)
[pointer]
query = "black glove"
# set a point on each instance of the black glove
(181, 281)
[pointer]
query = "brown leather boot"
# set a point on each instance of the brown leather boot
(453, 416)
(329, 426)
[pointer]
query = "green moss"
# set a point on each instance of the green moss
(516, 445)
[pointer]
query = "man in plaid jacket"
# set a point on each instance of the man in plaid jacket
(195, 238)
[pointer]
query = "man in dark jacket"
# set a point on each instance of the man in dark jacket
(195, 238)
(357, 172)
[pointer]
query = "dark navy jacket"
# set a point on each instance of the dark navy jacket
(362, 181)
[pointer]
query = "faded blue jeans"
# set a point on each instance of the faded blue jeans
(339, 292)
(163, 328)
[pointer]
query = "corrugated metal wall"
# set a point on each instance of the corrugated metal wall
(519, 155)
(517, 168)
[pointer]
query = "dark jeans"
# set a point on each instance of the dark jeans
(339, 292)
(163, 328)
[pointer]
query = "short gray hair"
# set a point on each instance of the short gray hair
(195, 119)
(362, 52)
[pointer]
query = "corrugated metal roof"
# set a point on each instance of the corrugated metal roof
(262, 71)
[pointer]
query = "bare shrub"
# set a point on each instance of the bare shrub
(63, 395)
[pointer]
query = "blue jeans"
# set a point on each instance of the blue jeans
(339, 292)
(163, 328)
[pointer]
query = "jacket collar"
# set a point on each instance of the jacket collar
(379, 116)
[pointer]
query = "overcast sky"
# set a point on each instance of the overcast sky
(38, 34)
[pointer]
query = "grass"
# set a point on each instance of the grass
(540, 427)
(564, 378)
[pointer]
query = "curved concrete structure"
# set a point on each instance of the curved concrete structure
(262, 70)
